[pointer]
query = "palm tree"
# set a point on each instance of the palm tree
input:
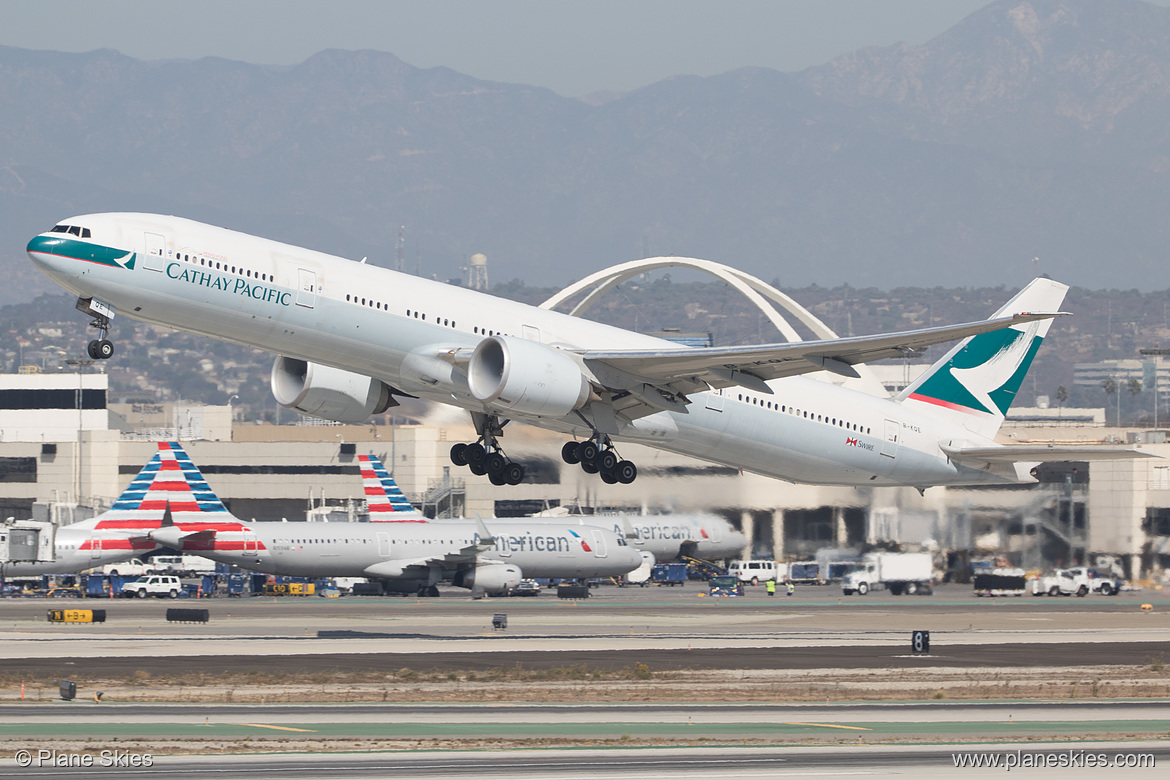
(1061, 398)
(1134, 386)
(1110, 387)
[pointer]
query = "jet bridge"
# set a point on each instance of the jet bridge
(27, 541)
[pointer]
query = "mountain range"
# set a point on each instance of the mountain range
(1031, 137)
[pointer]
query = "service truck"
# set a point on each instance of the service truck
(898, 573)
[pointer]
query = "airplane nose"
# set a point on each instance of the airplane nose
(41, 250)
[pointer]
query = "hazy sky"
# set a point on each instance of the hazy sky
(571, 47)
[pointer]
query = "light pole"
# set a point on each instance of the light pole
(1156, 354)
(81, 365)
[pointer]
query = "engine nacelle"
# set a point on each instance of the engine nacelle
(489, 578)
(526, 377)
(327, 392)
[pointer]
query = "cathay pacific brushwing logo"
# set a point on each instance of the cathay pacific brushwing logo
(985, 375)
(125, 261)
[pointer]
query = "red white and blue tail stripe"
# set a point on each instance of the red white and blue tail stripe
(385, 501)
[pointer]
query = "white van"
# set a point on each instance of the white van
(183, 565)
(756, 572)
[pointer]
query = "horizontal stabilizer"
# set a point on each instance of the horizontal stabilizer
(175, 537)
(1012, 454)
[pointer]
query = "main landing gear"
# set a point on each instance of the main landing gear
(485, 456)
(597, 456)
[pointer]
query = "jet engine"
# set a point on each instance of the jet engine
(526, 376)
(328, 393)
(489, 577)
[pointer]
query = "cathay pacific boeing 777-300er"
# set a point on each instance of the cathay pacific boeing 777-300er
(349, 337)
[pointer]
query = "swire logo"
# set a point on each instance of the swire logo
(851, 442)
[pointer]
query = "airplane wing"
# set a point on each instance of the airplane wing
(1013, 454)
(660, 379)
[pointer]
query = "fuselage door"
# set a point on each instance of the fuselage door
(251, 544)
(306, 288)
(383, 544)
(599, 550)
(95, 548)
(890, 443)
(715, 400)
(154, 251)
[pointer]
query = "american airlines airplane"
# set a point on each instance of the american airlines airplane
(122, 532)
(349, 337)
(402, 549)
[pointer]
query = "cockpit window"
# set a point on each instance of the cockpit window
(72, 230)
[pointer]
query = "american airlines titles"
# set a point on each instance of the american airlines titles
(238, 286)
(648, 532)
(530, 542)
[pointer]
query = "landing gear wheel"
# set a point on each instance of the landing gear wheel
(91, 349)
(569, 453)
(430, 592)
(606, 461)
(589, 467)
(496, 478)
(587, 453)
(475, 453)
(459, 454)
(609, 478)
(478, 469)
(495, 464)
(105, 349)
(513, 473)
(626, 472)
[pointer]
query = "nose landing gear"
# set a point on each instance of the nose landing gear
(100, 348)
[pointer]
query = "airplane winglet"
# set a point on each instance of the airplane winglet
(486, 540)
(628, 529)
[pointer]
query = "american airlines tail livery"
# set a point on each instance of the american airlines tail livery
(168, 489)
(350, 337)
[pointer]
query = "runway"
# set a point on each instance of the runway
(731, 686)
(651, 764)
(667, 628)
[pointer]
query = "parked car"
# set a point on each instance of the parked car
(525, 588)
(155, 585)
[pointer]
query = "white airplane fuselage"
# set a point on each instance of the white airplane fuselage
(390, 326)
(351, 549)
(668, 536)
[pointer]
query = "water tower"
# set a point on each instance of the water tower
(477, 272)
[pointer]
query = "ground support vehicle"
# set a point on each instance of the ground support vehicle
(899, 573)
(672, 573)
(758, 571)
(725, 585)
